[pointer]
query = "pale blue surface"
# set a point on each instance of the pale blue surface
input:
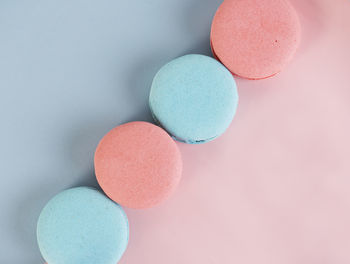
(194, 98)
(71, 70)
(81, 225)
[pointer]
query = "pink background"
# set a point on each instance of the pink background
(275, 188)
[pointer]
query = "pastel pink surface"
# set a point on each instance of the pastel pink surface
(275, 188)
(255, 39)
(138, 165)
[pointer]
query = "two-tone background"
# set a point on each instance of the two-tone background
(273, 190)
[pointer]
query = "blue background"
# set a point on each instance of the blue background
(71, 70)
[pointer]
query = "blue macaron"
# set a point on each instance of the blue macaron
(81, 225)
(194, 98)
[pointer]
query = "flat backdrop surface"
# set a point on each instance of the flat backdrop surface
(273, 190)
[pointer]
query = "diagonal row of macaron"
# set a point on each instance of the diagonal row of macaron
(193, 99)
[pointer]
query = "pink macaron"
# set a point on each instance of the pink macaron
(255, 39)
(138, 165)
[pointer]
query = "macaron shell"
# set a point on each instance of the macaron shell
(194, 97)
(255, 39)
(138, 165)
(215, 57)
(81, 225)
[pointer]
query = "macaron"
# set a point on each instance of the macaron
(255, 39)
(81, 225)
(138, 165)
(194, 98)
